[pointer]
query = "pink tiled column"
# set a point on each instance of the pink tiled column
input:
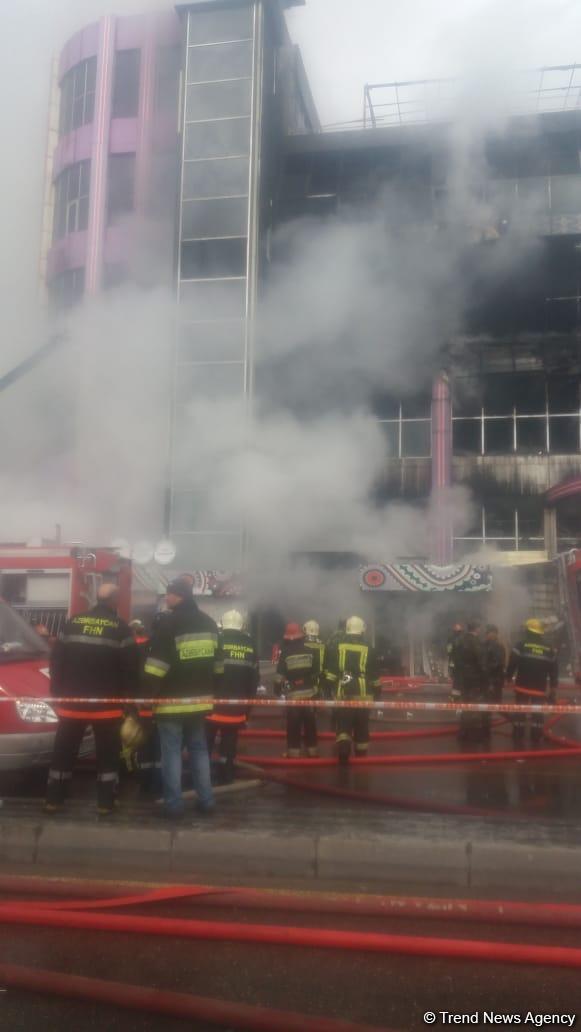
(442, 543)
(101, 131)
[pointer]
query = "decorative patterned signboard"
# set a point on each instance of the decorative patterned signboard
(425, 577)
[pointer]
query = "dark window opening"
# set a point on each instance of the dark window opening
(225, 217)
(415, 438)
(467, 436)
(121, 186)
(208, 259)
(125, 103)
(563, 394)
(498, 436)
(531, 436)
(564, 434)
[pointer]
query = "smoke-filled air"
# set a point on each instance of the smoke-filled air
(353, 309)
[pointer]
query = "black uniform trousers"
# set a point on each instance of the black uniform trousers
(474, 725)
(352, 725)
(228, 745)
(69, 736)
(301, 721)
(519, 719)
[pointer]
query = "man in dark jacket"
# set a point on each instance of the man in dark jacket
(184, 662)
(470, 669)
(535, 668)
(95, 657)
(297, 677)
(241, 677)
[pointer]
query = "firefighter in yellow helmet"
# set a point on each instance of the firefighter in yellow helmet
(351, 672)
(535, 669)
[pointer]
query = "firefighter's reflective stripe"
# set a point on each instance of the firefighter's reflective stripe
(92, 638)
(301, 693)
(171, 710)
(218, 718)
(89, 715)
(156, 667)
(300, 661)
(219, 666)
(245, 663)
(196, 646)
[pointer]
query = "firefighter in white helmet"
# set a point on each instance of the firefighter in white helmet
(241, 678)
(351, 672)
(313, 642)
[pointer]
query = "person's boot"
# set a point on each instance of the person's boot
(344, 753)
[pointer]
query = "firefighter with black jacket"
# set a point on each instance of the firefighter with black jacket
(184, 662)
(95, 657)
(535, 669)
(296, 678)
(471, 671)
(495, 663)
(351, 672)
(241, 678)
(312, 633)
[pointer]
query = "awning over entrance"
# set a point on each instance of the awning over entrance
(417, 576)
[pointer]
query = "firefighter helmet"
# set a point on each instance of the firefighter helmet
(355, 625)
(232, 620)
(311, 629)
(132, 733)
(534, 626)
(292, 632)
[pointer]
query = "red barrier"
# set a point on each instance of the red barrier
(171, 1004)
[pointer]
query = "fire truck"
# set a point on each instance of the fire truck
(47, 583)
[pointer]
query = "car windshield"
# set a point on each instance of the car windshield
(17, 638)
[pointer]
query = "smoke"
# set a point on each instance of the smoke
(356, 307)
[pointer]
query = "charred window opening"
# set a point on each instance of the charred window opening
(407, 424)
(505, 526)
(526, 413)
(121, 186)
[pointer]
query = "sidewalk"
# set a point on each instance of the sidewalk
(271, 833)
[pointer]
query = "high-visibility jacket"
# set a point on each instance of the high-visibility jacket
(185, 660)
(296, 672)
(351, 669)
(317, 647)
(95, 656)
(241, 676)
(534, 665)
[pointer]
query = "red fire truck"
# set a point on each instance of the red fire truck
(42, 586)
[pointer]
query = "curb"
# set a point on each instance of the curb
(457, 858)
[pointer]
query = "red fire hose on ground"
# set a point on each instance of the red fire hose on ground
(415, 760)
(170, 1004)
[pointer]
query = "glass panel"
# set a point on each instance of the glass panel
(227, 177)
(218, 139)
(531, 435)
(207, 259)
(563, 394)
(221, 341)
(499, 395)
(564, 434)
(78, 113)
(74, 178)
(91, 80)
(224, 217)
(210, 381)
(225, 61)
(220, 26)
(121, 185)
(565, 195)
(498, 436)
(218, 100)
(125, 103)
(467, 396)
(466, 436)
(213, 299)
(391, 432)
(83, 213)
(385, 407)
(415, 438)
(529, 394)
(500, 519)
(418, 407)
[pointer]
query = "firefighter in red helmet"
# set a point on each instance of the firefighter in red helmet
(296, 678)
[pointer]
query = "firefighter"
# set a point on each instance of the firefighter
(296, 678)
(470, 669)
(454, 639)
(535, 668)
(241, 677)
(351, 670)
(495, 663)
(312, 633)
(184, 661)
(145, 758)
(95, 657)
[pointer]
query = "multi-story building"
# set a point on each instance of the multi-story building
(203, 120)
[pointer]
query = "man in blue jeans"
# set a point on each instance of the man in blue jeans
(185, 661)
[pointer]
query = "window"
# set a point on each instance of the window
(71, 213)
(217, 63)
(213, 299)
(218, 100)
(220, 26)
(67, 289)
(212, 341)
(78, 96)
(121, 186)
(167, 79)
(227, 136)
(406, 426)
(527, 413)
(125, 103)
(227, 177)
(227, 217)
(503, 525)
(208, 259)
